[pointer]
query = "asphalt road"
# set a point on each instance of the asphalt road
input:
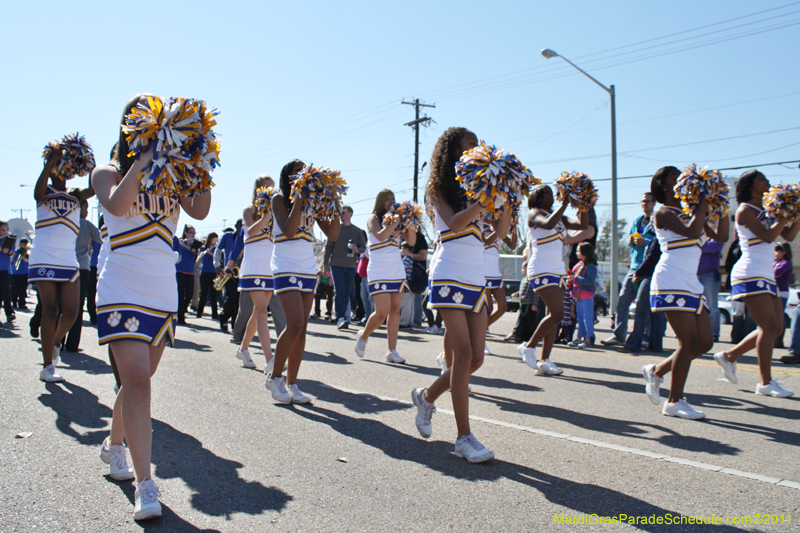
(226, 458)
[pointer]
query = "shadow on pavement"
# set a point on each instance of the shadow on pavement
(74, 405)
(328, 357)
(582, 498)
(218, 489)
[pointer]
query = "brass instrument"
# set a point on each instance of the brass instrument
(23, 255)
(222, 279)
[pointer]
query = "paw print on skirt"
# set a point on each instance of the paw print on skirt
(292, 280)
(114, 318)
(132, 325)
(444, 291)
(669, 298)
(681, 302)
(458, 297)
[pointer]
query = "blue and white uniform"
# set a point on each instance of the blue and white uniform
(102, 255)
(545, 260)
(457, 279)
(491, 260)
(137, 296)
(385, 270)
(256, 271)
(675, 286)
(52, 256)
(294, 266)
(753, 274)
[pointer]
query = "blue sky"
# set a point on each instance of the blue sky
(323, 82)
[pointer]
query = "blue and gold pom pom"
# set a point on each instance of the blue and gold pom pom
(187, 150)
(695, 183)
(408, 213)
(77, 156)
(578, 188)
(263, 200)
(493, 178)
(323, 189)
(783, 201)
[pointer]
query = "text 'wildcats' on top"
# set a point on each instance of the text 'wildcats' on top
(153, 204)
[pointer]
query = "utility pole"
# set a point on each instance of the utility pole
(21, 211)
(415, 125)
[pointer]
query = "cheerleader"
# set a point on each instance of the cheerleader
(546, 271)
(753, 281)
(386, 276)
(207, 275)
(294, 268)
(184, 269)
(136, 302)
(457, 288)
(676, 291)
(494, 279)
(53, 265)
(255, 275)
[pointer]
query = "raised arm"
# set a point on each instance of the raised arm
(537, 219)
(254, 227)
(747, 218)
(581, 224)
(117, 193)
(457, 221)
(40, 189)
(197, 207)
(374, 227)
(288, 221)
(330, 227)
(721, 233)
(668, 219)
(790, 232)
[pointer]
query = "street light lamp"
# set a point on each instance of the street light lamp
(547, 53)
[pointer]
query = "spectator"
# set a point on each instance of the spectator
(19, 276)
(324, 290)
(584, 281)
(419, 253)
(341, 259)
(708, 274)
(407, 307)
(783, 274)
(222, 256)
(658, 322)
(641, 234)
(565, 329)
(83, 249)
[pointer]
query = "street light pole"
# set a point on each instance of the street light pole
(547, 53)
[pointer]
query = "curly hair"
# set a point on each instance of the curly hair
(285, 185)
(442, 182)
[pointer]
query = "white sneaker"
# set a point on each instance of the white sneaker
(728, 368)
(56, 354)
(653, 383)
(244, 357)
(146, 504)
(394, 357)
(473, 451)
(440, 360)
(117, 458)
(574, 343)
(361, 344)
(425, 411)
(528, 355)
(50, 375)
(548, 368)
(297, 396)
(681, 409)
(611, 341)
(277, 387)
(341, 323)
(433, 330)
(486, 350)
(773, 389)
(269, 366)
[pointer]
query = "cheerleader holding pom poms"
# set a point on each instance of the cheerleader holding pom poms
(675, 289)
(386, 275)
(546, 271)
(764, 214)
(52, 263)
(256, 272)
(295, 208)
(457, 285)
(137, 297)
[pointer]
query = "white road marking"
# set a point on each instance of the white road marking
(599, 444)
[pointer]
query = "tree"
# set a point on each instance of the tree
(604, 240)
